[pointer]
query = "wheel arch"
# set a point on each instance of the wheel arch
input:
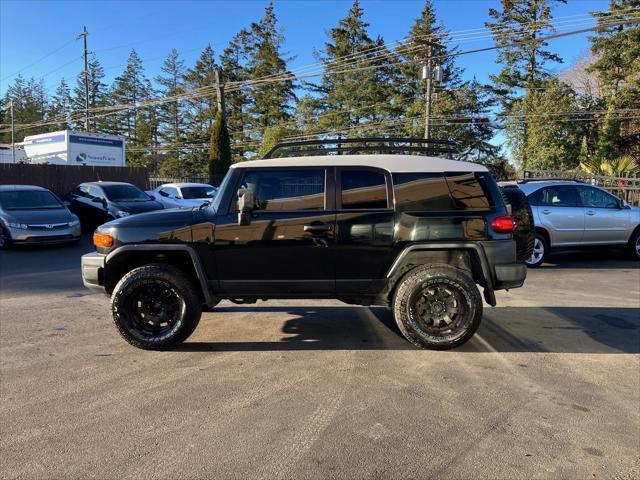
(469, 257)
(128, 257)
(545, 233)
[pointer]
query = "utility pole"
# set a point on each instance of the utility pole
(86, 78)
(427, 72)
(13, 134)
(220, 91)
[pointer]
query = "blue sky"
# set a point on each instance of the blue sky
(30, 30)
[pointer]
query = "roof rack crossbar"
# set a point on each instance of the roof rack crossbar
(344, 145)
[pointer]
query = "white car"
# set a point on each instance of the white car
(183, 195)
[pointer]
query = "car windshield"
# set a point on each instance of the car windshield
(125, 193)
(29, 200)
(191, 193)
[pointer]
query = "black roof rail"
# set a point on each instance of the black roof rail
(527, 180)
(355, 145)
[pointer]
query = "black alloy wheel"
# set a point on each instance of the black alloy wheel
(155, 307)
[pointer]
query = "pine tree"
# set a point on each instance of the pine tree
(453, 98)
(61, 106)
(356, 89)
(30, 104)
(97, 96)
(170, 113)
(234, 61)
(136, 123)
(269, 103)
(200, 111)
(219, 147)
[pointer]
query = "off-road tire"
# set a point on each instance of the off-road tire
(524, 230)
(634, 245)
(539, 241)
(427, 277)
(180, 287)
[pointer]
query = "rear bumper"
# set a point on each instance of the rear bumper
(507, 271)
(92, 267)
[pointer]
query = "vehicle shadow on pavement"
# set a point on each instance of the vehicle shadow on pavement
(590, 258)
(503, 329)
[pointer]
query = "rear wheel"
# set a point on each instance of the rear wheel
(437, 307)
(523, 232)
(156, 307)
(540, 251)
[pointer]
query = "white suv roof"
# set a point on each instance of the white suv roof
(391, 163)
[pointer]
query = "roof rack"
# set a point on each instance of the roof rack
(527, 180)
(350, 146)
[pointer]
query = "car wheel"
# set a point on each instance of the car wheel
(437, 307)
(634, 245)
(540, 250)
(5, 238)
(156, 307)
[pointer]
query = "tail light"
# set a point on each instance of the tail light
(102, 240)
(502, 224)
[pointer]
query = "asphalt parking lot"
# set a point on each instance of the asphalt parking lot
(549, 388)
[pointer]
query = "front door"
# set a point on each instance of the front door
(365, 220)
(558, 209)
(287, 247)
(604, 221)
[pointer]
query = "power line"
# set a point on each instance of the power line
(35, 62)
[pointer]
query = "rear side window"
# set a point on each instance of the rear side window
(469, 191)
(286, 190)
(363, 189)
(556, 196)
(421, 192)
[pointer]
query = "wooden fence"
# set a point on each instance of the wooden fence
(60, 179)
(626, 187)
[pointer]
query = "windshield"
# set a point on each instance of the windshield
(29, 200)
(221, 188)
(125, 193)
(191, 193)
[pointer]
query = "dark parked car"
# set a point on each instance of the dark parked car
(30, 214)
(417, 234)
(96, 203)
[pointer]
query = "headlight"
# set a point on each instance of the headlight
(22, 226)
(122, 213)
(74, 223)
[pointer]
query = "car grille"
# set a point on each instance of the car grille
(48, 238)
(47, 226)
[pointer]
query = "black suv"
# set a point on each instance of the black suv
(415, 233)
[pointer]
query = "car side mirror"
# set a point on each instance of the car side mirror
(152, 197)
(246, 202)
(97, 200)
(621, 204)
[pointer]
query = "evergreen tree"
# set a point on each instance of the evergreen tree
(616, 52)
(453, 98)
(137, 124)
(97, 96)
(30, 105)
(219, 147)
(269, 103)
(234, 61)
(61, 105)
(354, 98)
(200, 110)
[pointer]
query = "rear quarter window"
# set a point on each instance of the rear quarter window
(470, 190)
(421, 192)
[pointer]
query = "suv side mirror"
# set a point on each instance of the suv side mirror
(246, 202)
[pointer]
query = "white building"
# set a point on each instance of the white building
(75, 148)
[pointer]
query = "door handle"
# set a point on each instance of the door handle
(546, 212)
(590, 212)
(318, 228)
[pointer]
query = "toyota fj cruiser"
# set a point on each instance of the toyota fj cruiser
(410, 231)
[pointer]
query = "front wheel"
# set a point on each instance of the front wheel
(540, 250)
(634, 245)
(156, 307)
(5, 238)
(437, 307)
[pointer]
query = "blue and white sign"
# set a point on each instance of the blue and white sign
(76, 148)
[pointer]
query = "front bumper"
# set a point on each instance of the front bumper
(92, 267)
(44, 237)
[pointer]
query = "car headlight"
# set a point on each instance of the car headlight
(122, 213)
(74, 223)
(22, 226)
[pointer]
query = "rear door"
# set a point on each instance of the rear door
(288, 246)
(365, 219)
(605, 221)
(558, 209)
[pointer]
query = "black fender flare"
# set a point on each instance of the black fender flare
(489, 294)
(209, 298)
